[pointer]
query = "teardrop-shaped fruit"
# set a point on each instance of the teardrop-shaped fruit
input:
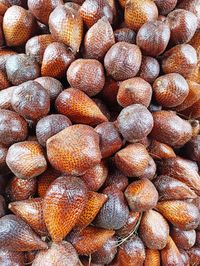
(154, 230)
(92, 207)
(45, 180)
(66, 26)
(159, 150)
(114, 213)
(74, 150)
(11, 258)
(170, 188)
(152, 257)
(79, 108)
(16, 235)
(58, 254)
(31, 212)
(141, 195)
(116, 178)
(181, 214)
(127, 229)
(90, 239)
(63, 204)
(183, 239)
(170, 254)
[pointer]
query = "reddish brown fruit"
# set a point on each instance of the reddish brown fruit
(125, 35)
(79, 107)
(31, 100)
(132, 160)
(180, 213)
(13, 127)
(3, 206)
(57, 254)
(183, 239)
(93, 10)
(194, 254)
(172, 189)
(18, 26)
(66, 25)
(4, 55)
(110, 90)
(128, 228)
(170, 90)
(81, 73)
(4, 5)
(183, 25)
(152, 257)
(114, 213)
(98, 39)
(193, 148)
(181, 59)
(4, 83)
(141, 195)
(3, 153)
(192, 6)
(117, 179)
(170, 254)
(149, 69)
(31, 212)
(184, 257)
(135, 122)
(21, 189)
(78, 146)
(110, 140)
(50, 125)
(193, 112)
(150, 171)
(56, 60)
(14, 66)
(90, 239)
(170, 129)
(26, 159)
(126, 68)
(131, 252)
(16, 235)
(5, 98)
(103, 107)
(164, 6)
(42, 9)
(36, 46)
(13, 258)
(95, 177)
(160, 150)
(138, 12)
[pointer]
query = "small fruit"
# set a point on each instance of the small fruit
(149, 69)
(183, 239)
(164, 6)
(152, 257)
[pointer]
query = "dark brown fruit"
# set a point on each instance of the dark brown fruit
(126, 68)
(160, 150)
(3, 153)
(150, 171)
(13, 127)
(193, 148)
(3, 206)
(117, 179)
(194, 255)
(164, 6)
(11, 258)
(183, 239)
(110, 90)
(4, 82)
(149, 69)
(130, 225)
(125, 35)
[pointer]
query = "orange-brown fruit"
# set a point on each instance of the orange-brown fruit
(21, 189)
(93, 10)
(138, 12)
(183, 25)
(170, 129)
(110, 90)
(4, 82)
(128, 228)
(170, 90)
(152, 257)
(81, 73)
(160, 150)
(31, 212)
(110, 140)
(42, 9)
(132, 160)
(195, 74)
(170, 188)
(170, 255)
(26, 159)
(90, 239)
(116, 178)
(98, 39)
(5, 98)
(149, 69)
(193, 148)
(66, 25)
(4, 5)
(181, 214)
(193, 111)
(8, 257)
(195, 42)
(19, 25)
(164, 6)
(16, 235)
(181, 59)
(125, 35)
(58, 254)
(74, 150)
(95, 177)
(131, 252)
(79, 108)
(192, 6)
(56, 60)
(114, 213)
(194, 255)
(126, 68)
(134, 91)
(182, 170)
(141, 195)
(93, 206)
(36, 46)
(63, 204)
(13, 127)
(154, 230)
(183, 239)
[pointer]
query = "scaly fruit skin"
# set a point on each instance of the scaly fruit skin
(159, 150)
(74, 150)
(194, 255)
(11, 258)
(125, 230)
(16, 235)
(63, 204)
(152, 257)
(183, 239)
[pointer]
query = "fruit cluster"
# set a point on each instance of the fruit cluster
(100, 132)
